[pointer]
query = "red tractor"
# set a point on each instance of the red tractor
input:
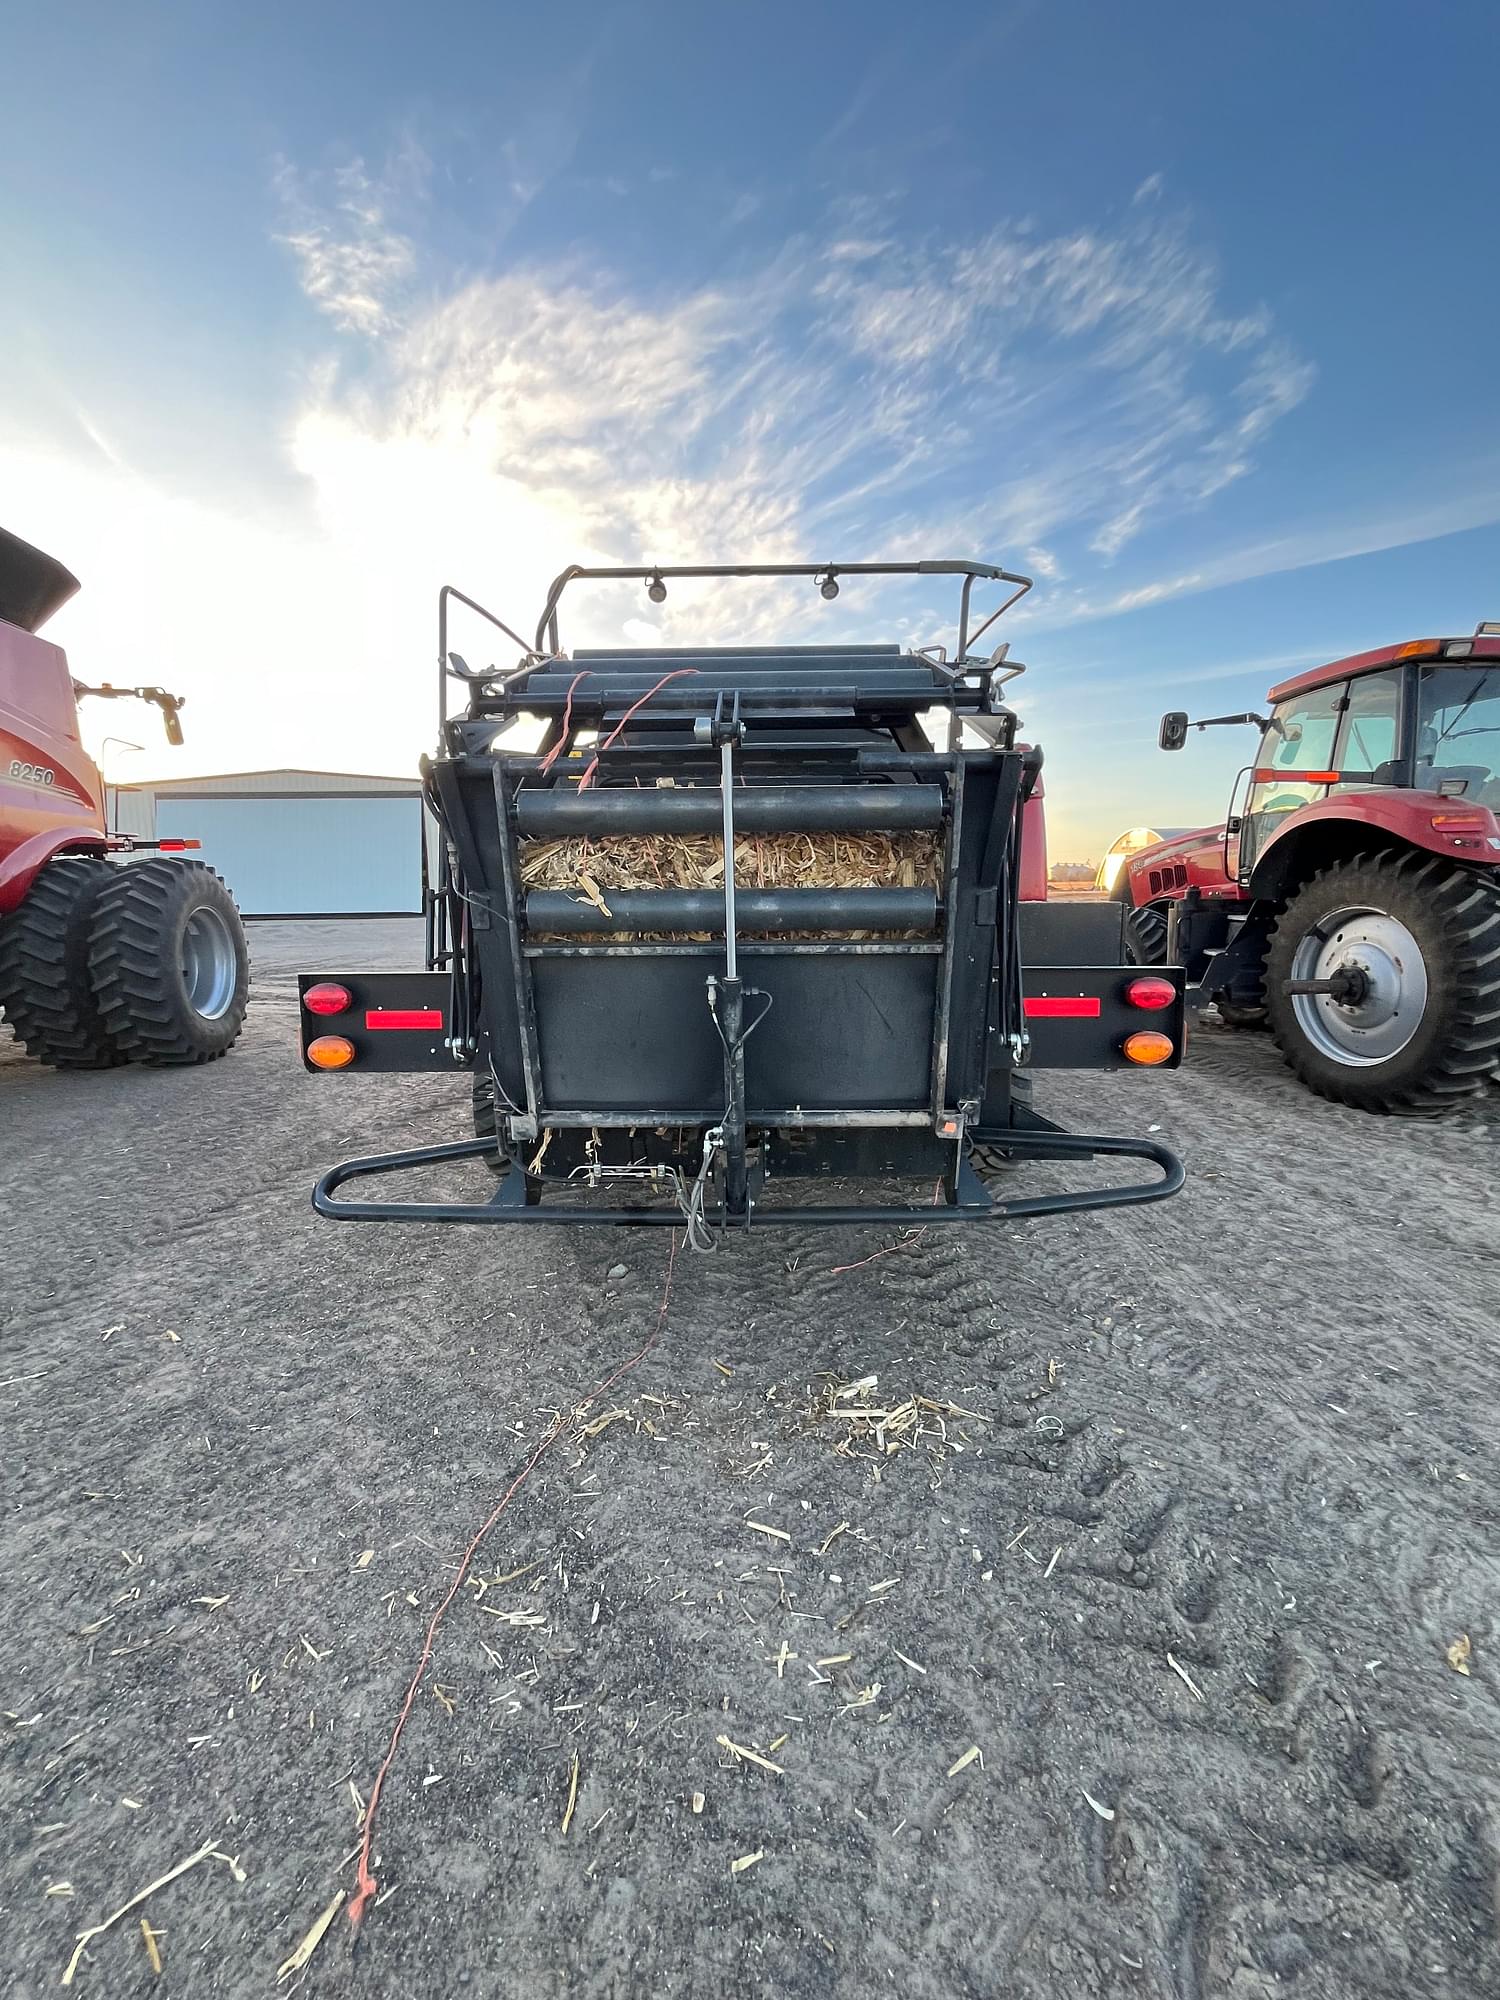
(100, 963)
(1351, 902)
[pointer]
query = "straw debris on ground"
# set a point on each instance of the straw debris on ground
(883, 1425)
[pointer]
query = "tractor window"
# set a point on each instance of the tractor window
(1300, 738)
(1372, 722)
(1458, 733)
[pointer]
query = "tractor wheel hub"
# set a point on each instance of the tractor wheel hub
(1376, 986)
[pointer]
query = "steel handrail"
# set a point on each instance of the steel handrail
(547, 633)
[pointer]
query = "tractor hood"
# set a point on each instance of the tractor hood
(1180, 844)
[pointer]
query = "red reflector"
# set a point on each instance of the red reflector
(404, 1017)
(1045, 1007)
(178, 846)
(328, 998)
(1153, 993)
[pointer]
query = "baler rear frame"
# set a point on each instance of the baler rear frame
(625, 1062)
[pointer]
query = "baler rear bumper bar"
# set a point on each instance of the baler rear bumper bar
(974, 1203)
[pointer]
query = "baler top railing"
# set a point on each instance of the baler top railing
(445, 660)
(547, 638)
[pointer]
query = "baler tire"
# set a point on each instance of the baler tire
(169, 962)
(1146, 936)
(484, 1120)
(1452, 914)
(991, 1161)
(44, 967)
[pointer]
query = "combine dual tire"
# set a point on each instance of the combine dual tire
(1421, 1029)
(44, 967)
(168, 962)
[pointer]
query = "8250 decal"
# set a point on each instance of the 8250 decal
(32, 774)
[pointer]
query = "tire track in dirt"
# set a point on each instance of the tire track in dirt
(1242, 1396)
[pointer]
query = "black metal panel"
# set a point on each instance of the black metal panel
(1064, 932)
(554, 910)
(848, 1032)
(554, 815)
(626, 1034)
(633, 1033)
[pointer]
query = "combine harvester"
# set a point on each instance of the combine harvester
(1351, 903)
(99, 963)
(739, 922)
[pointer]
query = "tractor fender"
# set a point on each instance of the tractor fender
(1348, 823)
(23, 864)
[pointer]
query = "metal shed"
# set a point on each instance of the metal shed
(292, 843)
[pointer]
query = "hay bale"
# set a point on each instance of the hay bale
(910, 860)
(761, 861)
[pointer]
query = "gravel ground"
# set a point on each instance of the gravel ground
(1189, 1509)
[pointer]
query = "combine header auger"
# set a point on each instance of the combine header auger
(99, 963)
(738, 921)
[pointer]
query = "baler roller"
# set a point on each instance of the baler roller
(554, 910)
(555, 815)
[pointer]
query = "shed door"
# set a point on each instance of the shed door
(304, 855)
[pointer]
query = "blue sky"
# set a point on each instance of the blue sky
(1190, 311)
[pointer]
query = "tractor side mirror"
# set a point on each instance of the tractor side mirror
(173, 724)
(1174, 729)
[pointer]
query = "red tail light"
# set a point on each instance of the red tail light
(178, 846)
(328, 998)
(1152, 994)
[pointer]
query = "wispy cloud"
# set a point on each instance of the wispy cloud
(350, 261)
(854, 393)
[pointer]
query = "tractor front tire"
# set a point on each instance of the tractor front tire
(1146, 935)
(1421, 1032)
(44, 967)
(169, 962)
(1233, 1015)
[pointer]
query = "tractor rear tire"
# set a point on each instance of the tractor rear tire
(1146, 936)
(1425, 934)
(169, 962)
(44, 969)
